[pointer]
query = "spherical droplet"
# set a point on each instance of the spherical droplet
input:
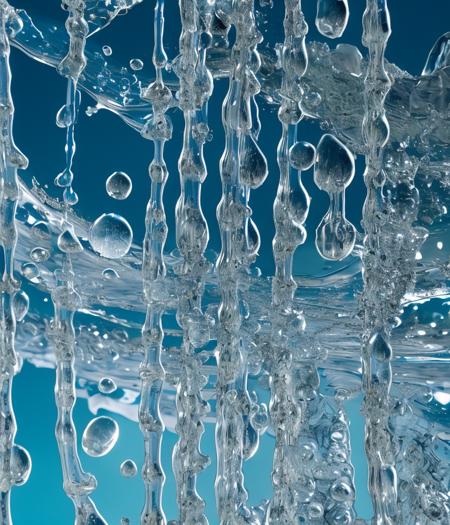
(119, 185)
(128, 468)
(100, 436)
(110, 274)
(301, 155)
(136, 64)
(20, 465)
(39, 254)
(111, 236)
(30, 271)
(106, 385)
(342, 490)
(335, 165)
(379, 347)
(107, 51)
(21, 303)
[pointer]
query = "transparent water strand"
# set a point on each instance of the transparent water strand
(151, 371)
(290, 210)
(11, 159)
(233, 403)
(376, 352)
(78, 485)
(196, 84)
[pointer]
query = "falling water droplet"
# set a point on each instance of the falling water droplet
(136, 64)
(30, 271)
(21, 303)
(106, 385)
(302, 155)
(128, 468)
(107, 51)
(335, 165)
(111, 236)
(68, 242)
(119, 185)
(20, 465)
(332, 17)
(64, 179)
(39, 254)
(100, 436)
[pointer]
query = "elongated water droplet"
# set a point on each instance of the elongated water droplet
(64, 117)
(64, 179)
(379, 347)
(21, 303)
(111, 236)
(335, 165)
(68, 242)
(100, 436)
(20, 465)
(136, 64)
(128, 468)
(119, 185)
(107, 385)
(332, 17)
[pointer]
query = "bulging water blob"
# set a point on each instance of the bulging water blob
(335, 165)
(100, 436)
(39, 254)
(30, 271)
(21, 304)
(68, 242)
(110, 274)
(119, 185)
(136, 64)
(107, 385)
(335, 237)
(20, 465)
(128, 468)
(302, 155)
(111, 236)
(439, 56)
(379, 347)
(332, 17)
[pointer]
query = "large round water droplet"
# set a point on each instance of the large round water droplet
(335, 238)
(335, 165)
(21, 303)
(111, 236)
(128, 468)
(107, 51)
(332, 17)
(20, 465)
(119, 185)
(301, 155)
(253, 164)
(100, 436)
(107, 385)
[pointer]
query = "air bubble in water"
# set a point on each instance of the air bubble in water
(107, 51)
(100, 436)
(136, 64)
(30, 271)
(106, 385)
(128, 468)
(111, 236)
(119, 185)
(39, 254)
(21, 303)
(20, 465)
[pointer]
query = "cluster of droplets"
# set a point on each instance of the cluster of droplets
(15, 462)
(242, 168)
(333, 172)
(159, 130)
(195, 89)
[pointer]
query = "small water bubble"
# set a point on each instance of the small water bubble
(30, 271)
(100, 436)
(119, 185)
(107, 51)
(128, 468)
(111, 236)
(335, 165)
(21, 304)
(64, 117)
(39, 254)
(110, 274)
(136, 64)
(106, 385)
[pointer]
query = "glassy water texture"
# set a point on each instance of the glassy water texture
(286, 364)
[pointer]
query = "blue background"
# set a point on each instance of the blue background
(104, 145)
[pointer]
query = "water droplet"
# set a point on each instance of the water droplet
(332, 17)
(342, 490)
(301, 155)
(136, 64)
(68, 242)
(128, 468)
(64, 179)
(335, 165)
(39, 254)
(106, 385)
(100, 436)
(335, 237)
(30, 271)
(41, 230)
(107, 51)
(21, 303)
(20, 465)
(111, 236)
(379, 347)
(110, 274)
(119, 185)
(254, 168)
